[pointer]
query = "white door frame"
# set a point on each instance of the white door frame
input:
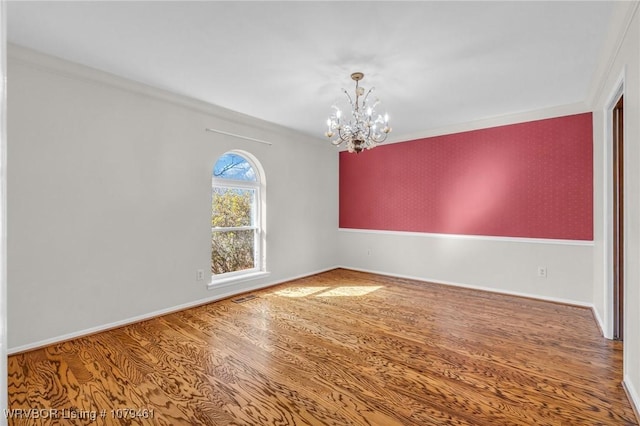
(3, 210)
(616, 93)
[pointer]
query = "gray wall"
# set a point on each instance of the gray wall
(109, 200)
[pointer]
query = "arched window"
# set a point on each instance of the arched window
(237, 216)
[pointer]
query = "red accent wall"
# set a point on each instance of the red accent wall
(531, 179)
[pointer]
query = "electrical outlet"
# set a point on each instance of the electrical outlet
(542, 271)
(200, 275)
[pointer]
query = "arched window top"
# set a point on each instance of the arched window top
(234, 166)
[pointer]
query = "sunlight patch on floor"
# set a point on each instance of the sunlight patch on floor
(343, 291)
(349, 291)
(300, 291)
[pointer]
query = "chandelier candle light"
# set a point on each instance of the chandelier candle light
(361, 130)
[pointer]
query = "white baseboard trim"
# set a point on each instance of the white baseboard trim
(477, 287)
(634, 397)
(231, 292)
(599, 321)
(110, 326)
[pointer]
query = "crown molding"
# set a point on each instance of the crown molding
(73, 70)
(623, 14)
(497, 121)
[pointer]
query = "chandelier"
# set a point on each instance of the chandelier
(364, 128)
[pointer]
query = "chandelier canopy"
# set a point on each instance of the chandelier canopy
(363, 128)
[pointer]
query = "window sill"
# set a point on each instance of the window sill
(223, 282)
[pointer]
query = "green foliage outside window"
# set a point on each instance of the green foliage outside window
(232, 250)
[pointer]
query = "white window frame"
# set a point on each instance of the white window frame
(257, 222)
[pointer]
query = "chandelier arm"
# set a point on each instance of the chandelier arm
(349, 97)
(341, 136)
(371, 137)
(364, 101)
(381, 138)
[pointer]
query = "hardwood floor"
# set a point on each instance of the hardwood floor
(339, 348)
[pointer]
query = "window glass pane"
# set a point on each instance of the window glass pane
(235, 205)
(232, 207)
(234, 166)
(232, 251)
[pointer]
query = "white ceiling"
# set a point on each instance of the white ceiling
(433, 64)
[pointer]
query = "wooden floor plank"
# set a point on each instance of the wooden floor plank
(338, 348)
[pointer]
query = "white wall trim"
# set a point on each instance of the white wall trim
(233, 280)
(634, 396)
(97, 77)
(476, 287)
(228, 292)
(622, 18)
(473, 237)
(496, 121)
(231, 292)
(598, 318)
(617, 91)
(3, 210)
